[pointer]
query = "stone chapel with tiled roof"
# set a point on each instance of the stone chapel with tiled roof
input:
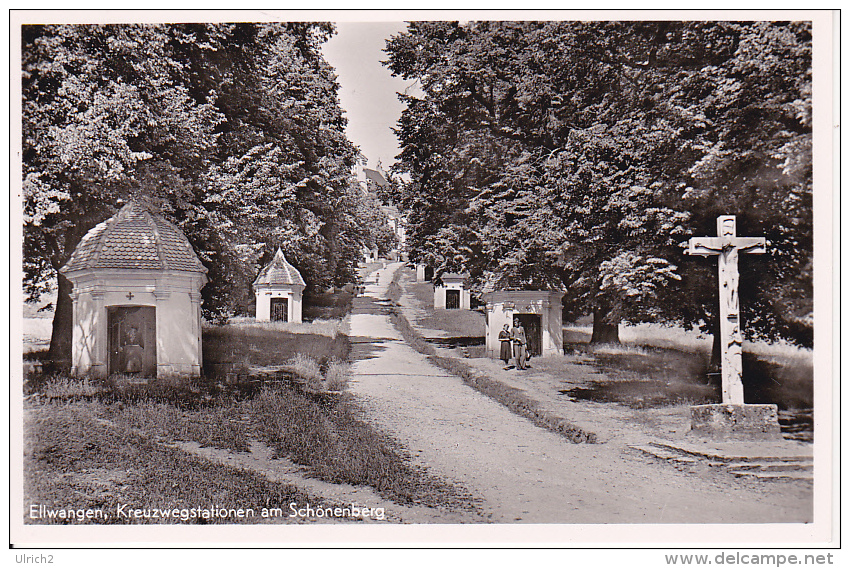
(136, 298)
(278, 290)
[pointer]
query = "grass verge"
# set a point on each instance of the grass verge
(228, 347)
(76, 461)
(328, 305)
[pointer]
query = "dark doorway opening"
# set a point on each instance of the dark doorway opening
(280, 309)
(132, 340)
(452, 299)
(533, 335)
(429, 274)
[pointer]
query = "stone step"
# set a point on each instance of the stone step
(663, 454)
(788, 467)
(770, 466)
(776, 475)
(737, 457)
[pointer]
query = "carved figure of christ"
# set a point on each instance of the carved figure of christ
(727, 245)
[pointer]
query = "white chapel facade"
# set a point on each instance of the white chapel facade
(278, 290)
(136, 298)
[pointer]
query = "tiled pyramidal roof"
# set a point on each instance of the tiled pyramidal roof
(135, 238)
(453, 276)
(279, 272)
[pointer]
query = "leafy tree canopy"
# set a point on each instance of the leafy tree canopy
(232, 131)
(580, 155)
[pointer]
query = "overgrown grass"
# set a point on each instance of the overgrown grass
(327, 305)
(305, 366)
(74, 460)
(226, 347)
(59, 387)
(337, 376)
(327, 327)
(324, 434)
(671, 367)
(307, 369)
(320, 431)
(218, 424)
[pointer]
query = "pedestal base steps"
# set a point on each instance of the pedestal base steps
(774, 461)
(744, 439)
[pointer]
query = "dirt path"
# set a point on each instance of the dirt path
(524, 473)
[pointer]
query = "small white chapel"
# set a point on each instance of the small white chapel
(278, 290)
(136, 298)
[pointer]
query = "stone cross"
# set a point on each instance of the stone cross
(727, 245)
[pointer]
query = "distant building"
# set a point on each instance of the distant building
(279, 290)
(450, 292)
(136, 298)
(424, 273)
(370, 255)
(375, 182)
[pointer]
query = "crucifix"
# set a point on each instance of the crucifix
(727, 245)
(130, 295)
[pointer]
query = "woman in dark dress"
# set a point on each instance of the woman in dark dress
(505, 341)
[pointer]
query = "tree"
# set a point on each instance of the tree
(753, 159)
(232, 131)
(282, 177)
(104, 115)
(522, 159)
(562, 153)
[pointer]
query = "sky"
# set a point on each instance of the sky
(367, 88)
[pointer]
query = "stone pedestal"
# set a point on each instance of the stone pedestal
(730, 422)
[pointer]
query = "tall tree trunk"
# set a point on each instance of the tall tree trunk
(714, 377)
(60, 353)
(604, 332)
(63, 321)
(714, 362)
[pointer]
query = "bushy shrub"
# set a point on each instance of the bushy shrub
(67, 388)
(336, 376)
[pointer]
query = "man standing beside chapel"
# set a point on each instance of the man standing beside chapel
(519, 341)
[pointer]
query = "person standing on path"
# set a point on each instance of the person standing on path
(519, 341)
(505, 346)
